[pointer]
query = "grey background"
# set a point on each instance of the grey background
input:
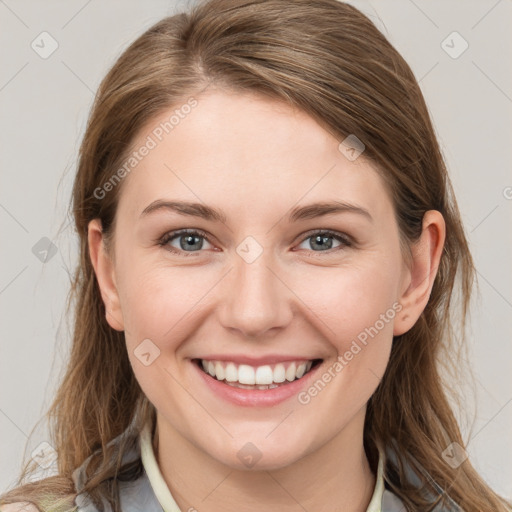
(44, 105)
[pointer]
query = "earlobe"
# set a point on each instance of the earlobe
(421, 272)
(104, 270)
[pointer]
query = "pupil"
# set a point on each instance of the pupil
(189, 241)
(322, 241)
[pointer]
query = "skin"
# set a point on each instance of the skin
(256, 159)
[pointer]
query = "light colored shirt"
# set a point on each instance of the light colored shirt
(150, 493)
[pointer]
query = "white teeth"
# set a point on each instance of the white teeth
(264, 375)
(290, 372)
(279, 373)
(245, 386)
(231, 372)
(219, 371)
(301, 369)
(261, 377)
(246, 374)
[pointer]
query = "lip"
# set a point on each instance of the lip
(256, 397)
(256, 361)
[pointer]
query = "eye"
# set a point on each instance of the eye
(189, 240)
(322, 240)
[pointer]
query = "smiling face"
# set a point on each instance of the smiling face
(255, 284)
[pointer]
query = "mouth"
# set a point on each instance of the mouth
(260, 378)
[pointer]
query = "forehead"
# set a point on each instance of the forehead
(245, 153)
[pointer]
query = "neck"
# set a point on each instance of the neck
(337, 476)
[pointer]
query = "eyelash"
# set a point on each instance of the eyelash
(344, 239)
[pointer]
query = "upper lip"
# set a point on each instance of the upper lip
(256, 361)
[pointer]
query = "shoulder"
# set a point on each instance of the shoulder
(391, 502)
(20, 506)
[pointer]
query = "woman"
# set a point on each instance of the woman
(269, 246)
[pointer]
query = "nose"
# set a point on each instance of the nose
(255, 298)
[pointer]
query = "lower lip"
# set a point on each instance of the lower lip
(256, 397)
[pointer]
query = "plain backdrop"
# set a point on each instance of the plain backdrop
(45, 100)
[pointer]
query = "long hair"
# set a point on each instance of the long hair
(329, 60)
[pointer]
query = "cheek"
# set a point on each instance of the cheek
(158, 305)
(352, 300)
(356, 306)
(156, 300)
(357, 311)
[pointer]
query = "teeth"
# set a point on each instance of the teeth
(279, 373)
(291, 372)
(246, 375)
(231, 373)
(264, 375)
(261, 377)
(301, 370)
(245, 386)
(219, 371)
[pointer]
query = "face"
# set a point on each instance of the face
(272, 284)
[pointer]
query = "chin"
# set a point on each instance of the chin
(258, 456)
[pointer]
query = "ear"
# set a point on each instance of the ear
(418, 277)
(104, 270)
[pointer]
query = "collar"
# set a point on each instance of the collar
(381, 496)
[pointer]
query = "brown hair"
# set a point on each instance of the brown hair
(329, 60)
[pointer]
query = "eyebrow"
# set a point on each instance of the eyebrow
(212, 214)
